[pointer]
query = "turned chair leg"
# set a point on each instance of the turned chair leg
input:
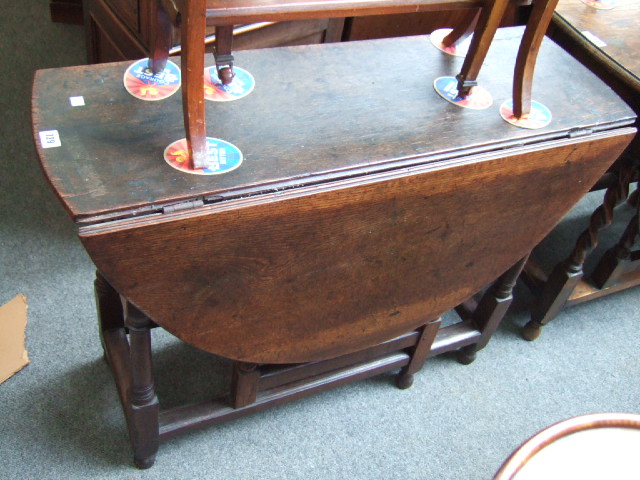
(487, 25)
(419, 354)
(491, 310)
(222, 53)
(144, 409)
(567, 274)
(463, 29)
(528, 53)
(160, 40)
(193, 51)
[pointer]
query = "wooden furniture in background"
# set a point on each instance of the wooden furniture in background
(345, 234)
(66, 11)
(122, 29)
(576, 27)
(119, 30)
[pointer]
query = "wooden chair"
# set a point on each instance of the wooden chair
(192, 17)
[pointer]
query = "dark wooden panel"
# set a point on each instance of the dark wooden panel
(128, 11)
(319, 272)
(66, 11)
(406, 24)
(321, 125)
(107, 39)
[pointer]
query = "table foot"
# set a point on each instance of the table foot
(404, 380)
(144, 463)
(531, 331)
(466, 355)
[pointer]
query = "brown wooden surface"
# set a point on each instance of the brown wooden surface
(388, 119)
(320, 272)
(377, 232)
(617, 27)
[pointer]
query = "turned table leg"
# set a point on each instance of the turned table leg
(109, 309)
(491, 310)
(143, 403)
(419, 354)
(567, 274)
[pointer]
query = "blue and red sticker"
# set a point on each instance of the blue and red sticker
(223, 157)
(241, 86)
(142, 83)
(478, 98)
(538, 117)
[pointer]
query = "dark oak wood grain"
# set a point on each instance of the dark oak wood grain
(318, 272)
(407, 123)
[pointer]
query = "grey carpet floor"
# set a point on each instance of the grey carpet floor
(60, 417)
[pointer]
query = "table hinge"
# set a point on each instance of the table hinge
(188, 205)
(580, 132)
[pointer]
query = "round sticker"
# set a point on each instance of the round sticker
(224, 157)
(142, 83)
(538, 117)
(478, 98)
(241, 85)
(458, 49)
(600, 4)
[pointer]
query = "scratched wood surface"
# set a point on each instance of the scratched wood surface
(617, 29)
(343, 109)
(398, 206)
(326, 270)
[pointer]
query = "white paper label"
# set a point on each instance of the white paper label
(593, 39)
(76, 101)
(50, 139)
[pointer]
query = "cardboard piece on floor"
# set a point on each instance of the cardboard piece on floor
(13, 324)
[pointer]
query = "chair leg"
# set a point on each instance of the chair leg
(491, 310)
(222, 53)
(419, 354)
(488, 23)
(463, 29)
(193, 50)
(528, 53)
(144, 409)
(160, 40)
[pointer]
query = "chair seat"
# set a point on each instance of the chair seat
(225, 12)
